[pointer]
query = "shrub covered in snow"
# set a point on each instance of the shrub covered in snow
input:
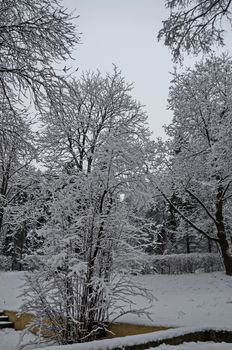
(5, 263)
(184, 263)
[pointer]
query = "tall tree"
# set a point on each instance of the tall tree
(96, 138)
(201, 168)
(25, 213)
(84, 115)
(34, 34)
(194, 25)
(17, 150)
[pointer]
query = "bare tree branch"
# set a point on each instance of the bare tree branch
(202, 205)
(198, 229)
(195, 26)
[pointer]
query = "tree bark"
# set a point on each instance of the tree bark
(224, 246)
(209, 245)
(188, 244)
(222, 239)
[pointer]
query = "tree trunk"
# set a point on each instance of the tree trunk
(188, 244)
(209, 245)
(224, 246)
(3, 192)
(223, 243)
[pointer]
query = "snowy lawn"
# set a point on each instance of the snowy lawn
(10, 290)
(9, 339)
(203, 299)
(190, 300)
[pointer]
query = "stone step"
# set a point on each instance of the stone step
(4, 318)
(1, 312)
(5, 324)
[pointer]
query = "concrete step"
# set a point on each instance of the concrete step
(4, 321)
(4, 318)
(6, 324)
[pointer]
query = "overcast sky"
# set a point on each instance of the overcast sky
(124, 32)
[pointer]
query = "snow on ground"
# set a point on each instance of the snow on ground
(9, 339)
(195, 346)
(188, 300)
(10, 290)
(191, 300)
(110, 344)
(203, 299)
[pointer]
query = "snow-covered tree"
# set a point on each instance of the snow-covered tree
(34, 34)
(96, 140)
(195, 25)
(201, 168)
(25, 214)
(17, 150)
(84, 115)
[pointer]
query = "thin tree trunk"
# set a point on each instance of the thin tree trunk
(188, 244)
(209, 245)
(224, 246)
(223, 243)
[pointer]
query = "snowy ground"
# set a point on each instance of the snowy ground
(189, 300)
(195, 346)
(9, 339)
(181, 300)
(10, 290)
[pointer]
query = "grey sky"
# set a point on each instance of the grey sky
(124, 32)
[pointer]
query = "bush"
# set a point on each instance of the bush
(184, 263)
(5, 263)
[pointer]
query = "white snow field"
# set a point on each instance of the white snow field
(190, 300)
(9, 340)
(10, 290)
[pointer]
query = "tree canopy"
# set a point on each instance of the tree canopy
(195, 25)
